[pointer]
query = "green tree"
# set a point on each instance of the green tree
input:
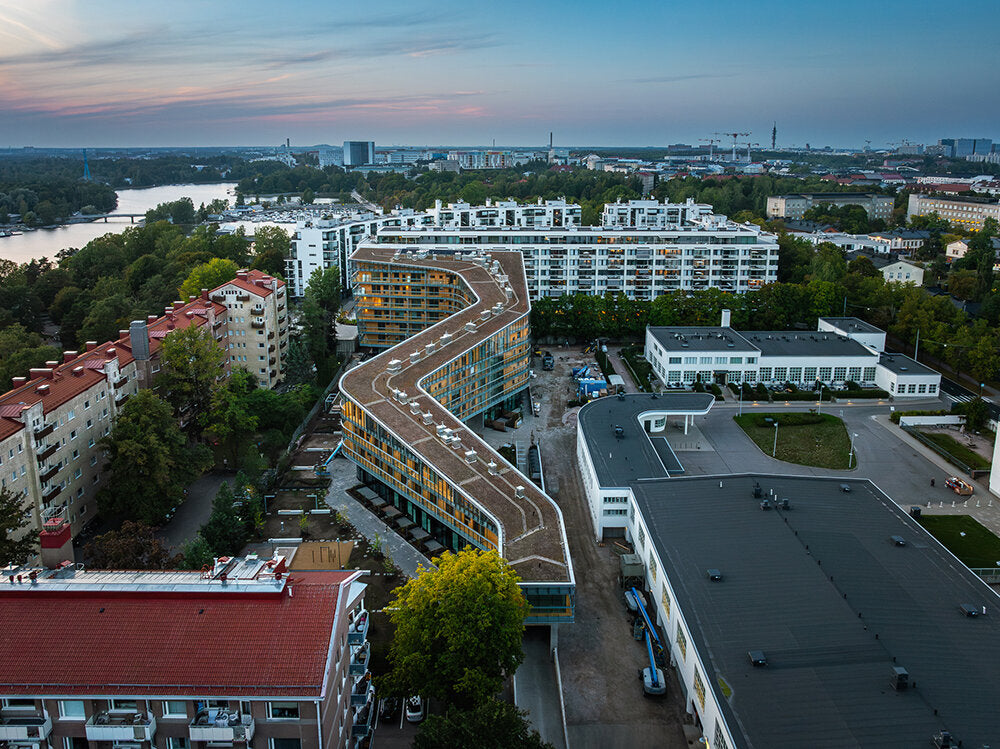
(229, 417)
(319, 314)
(225, 532)
(299, 366)
(17, 541)
(149, 461)
(207, 276)
(308, 196)
(20, 350)
(270, 245)
(490, 725)
(195, 554)
(191, 361)
(134, 546)
(458, 629)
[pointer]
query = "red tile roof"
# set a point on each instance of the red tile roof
(254, 282)
(99, 642)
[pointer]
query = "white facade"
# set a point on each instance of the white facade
(652, 214)
(902, 377)
(969, 214)
(903, 272)
(550, 214)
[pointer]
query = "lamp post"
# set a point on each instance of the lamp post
(774, 450)
(741, 399)
(850, 456)
(820, 401)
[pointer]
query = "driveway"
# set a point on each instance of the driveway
(194, 512)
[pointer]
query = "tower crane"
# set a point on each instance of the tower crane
(711, 142)
(735, 137)
(749, 146)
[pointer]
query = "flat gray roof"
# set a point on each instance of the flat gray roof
(852, 324)
(834, 605)
(619, 462)
(800, 343)
(700, 338)
(902, 364)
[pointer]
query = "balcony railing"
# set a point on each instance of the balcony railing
(362, 692)
(362, 724)
(271, 348)
(270, 335)
(48, 474)
(114, 726)
(256, 323)
(257, 309)
(121, 382)
(357, 631)
(221, 726)
(46, 451)
(359, 661)
(25, 726)
(51, 494)
(44, 431)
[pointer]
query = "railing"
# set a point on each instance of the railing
(47, 451)
(25, 725)
(49, 473)
(362, 723)
(990, 575)
(51, 494)
(113, 726)
(358, 630)
(256, 323)
(44, 431)
(220, 726)
(257, 309)
(362, 692)
(359, 661)
(915, 433)
(121, 382)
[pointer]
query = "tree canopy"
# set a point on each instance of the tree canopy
(458, 629)
(191, 361)
(149, 461)
(215, 272)
(490, 725)
(17, 542)
(134, 546)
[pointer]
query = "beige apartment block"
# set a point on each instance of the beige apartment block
(258, 324)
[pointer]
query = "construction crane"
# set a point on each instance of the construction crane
(711, 142)
(868, 144)
(735, 137)
(749, 146)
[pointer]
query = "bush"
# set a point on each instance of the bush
(862, 393)
(736, 390)
(716, 391)
(699, 387)
(792, 419)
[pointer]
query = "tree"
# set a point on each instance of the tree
(191, 361)
(308, 196)
(319, 313)
(299, 366)
(132, 547)
(215, 272)
(458, 629)
(17, 542)
(195, 554)
(270, 245)
(229, 417)
(149, 461)
(225, 532)
(490, 725)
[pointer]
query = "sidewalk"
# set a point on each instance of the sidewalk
(369, 525)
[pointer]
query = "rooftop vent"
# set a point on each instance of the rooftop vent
(471, 326)
(492, 468)
(757, 658)
(714, 574)
(414, 357)
(470, 456)
(394, 366)
(428, 418)
(519, 492)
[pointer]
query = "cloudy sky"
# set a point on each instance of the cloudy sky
(200, 72)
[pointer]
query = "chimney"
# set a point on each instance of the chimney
(18, 381)
(178, 304)
(69, 356)
(204, 295)
(52, 364)
(242, 275)
(56, 542)
(78, 371)
(122, 334)
(191, 297)
(139, 339)
(44, 373)
(91, 345)
(151, 319)
(726, 316)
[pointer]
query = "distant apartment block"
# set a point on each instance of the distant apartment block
(795, 206)
(969, 213)
(52, 420)
(358, 152)
(458, 325)
(247, 653)
(258, 324)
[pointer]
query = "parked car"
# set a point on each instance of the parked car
(416, 709)
(389, 708)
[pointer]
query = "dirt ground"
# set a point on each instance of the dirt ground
(598, 656)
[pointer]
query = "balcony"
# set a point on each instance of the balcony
(221, 726)
(362, 692)
(256, 323)
(219, 297)
(271, 348)
(359, 661)
(116, 726)
(257, 309)
(272, 361)
(121, 397)
(243, 296)
(48, 474)
(281, 307)
(44, 431)
(25, 726)
(51, 494)
(357, 631)
(46, 451)
(270, 336)
(121, 382)
(362, 722)
(218, 321)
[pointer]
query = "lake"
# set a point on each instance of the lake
(47, 242)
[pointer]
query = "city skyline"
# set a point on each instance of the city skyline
(144, 74)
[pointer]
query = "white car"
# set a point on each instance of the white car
(416, 709)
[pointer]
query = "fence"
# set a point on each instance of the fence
(320, 402)
(907, 421)
(990, 575)
(969, 470)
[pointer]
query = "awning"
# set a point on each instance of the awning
(419, 534)
(433, 547)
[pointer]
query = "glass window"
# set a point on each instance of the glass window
(283, 710)
(177, 742)
(71, 709)
(175, 707)
(124, 706)
(19, 704)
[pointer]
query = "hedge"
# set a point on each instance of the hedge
(862, 393)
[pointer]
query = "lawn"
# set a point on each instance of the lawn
(949, 444)
(639, 368)
(819, 440)
(977, 548)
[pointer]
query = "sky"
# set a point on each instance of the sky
(133, 73)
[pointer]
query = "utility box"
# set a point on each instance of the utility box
(632, 567)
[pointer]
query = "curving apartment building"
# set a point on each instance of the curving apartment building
(458, 330)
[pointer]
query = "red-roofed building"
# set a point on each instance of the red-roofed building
(52, 420)
(244, 654)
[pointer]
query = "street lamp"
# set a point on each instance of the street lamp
(820, 402)
(850, 456)
(774, 450)
(981, 390)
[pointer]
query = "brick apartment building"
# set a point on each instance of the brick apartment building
(52, 420)
(246, 654)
